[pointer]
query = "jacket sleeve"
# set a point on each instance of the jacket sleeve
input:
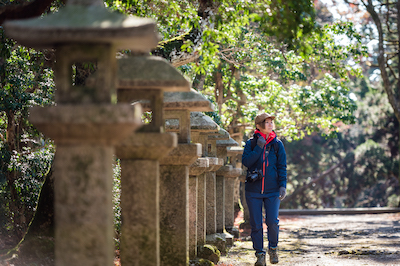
(281, 165)
(250, 157)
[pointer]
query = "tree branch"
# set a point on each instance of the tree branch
(186, 60)
(382, 61)
(228, 60)
(392, 71)
(28, 10)
(313, 181)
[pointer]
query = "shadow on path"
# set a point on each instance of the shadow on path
(362, 239)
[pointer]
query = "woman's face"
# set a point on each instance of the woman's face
(266, 126)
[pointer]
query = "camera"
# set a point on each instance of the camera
(254, 176)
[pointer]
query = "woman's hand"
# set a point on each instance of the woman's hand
(282, 193)
(261, 142)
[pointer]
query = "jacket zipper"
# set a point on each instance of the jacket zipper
(262, 185)
(264, 152)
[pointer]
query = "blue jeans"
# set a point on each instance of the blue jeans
(271, 202)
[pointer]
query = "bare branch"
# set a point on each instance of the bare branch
(186, 60)
(382, 61)
(313, 181)
(228, 60)
(392, 71)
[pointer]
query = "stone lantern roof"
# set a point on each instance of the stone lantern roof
(202, 123)
(150, 72)
(222, 146)
(191, 100)
(199, 123)
(227, 143)
(85, 21)
(222, 134)
(144, 79)
(234, 150)
(185, 100)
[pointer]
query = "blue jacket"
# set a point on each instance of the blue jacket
(275, 166)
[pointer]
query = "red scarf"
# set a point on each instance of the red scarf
(271, 135)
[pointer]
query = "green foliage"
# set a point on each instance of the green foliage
(286, 82)
(368, 175)
(287, 21)
(336, 46)
(26, 155)
(31, 166)
(271, 54)
(5, 159)
(217, 23)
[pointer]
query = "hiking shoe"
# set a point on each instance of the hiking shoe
(273, 255)
(260, 259)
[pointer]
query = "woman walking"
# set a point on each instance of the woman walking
(265, 157)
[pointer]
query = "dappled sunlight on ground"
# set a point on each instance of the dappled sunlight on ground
(365, 239)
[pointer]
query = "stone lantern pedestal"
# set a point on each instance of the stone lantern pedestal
(196, 171)
(246, 214)
(85, 138)
(174, 202)
(140, 229)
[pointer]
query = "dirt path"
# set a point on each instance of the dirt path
(365, 239)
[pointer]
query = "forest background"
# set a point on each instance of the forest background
(328, 70)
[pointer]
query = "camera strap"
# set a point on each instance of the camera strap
(266, 154)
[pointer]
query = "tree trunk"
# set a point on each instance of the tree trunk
(38, 242)
(219, 89)
(16, 211)
(392, 96)
(28, 10)
(398, 80)
(42, 223)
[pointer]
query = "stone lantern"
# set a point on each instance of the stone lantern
(146, 79)
(84, 123)
(199, 123)
(226, 177)
(178, 190)
(233, 189)
(212, 184)
(201, 127)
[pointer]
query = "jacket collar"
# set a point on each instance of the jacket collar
(270, 138)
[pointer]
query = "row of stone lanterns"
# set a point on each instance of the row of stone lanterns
(176, 192)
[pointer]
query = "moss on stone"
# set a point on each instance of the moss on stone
(210, 253)
(201, 262)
